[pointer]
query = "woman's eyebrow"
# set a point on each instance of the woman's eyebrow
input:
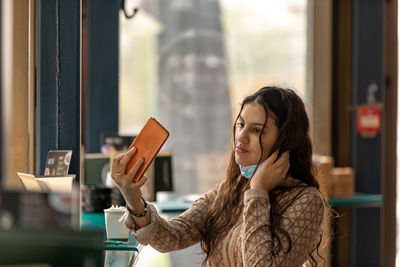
(255, 123)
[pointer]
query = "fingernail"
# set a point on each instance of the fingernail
(133, 149)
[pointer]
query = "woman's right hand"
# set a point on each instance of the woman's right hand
(129, 189)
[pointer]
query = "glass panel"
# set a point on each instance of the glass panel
(189, 64)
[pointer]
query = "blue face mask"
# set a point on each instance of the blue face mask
(248, 171)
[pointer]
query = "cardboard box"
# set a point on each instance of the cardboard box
(335, 182)
(342, 182)
(324, 165)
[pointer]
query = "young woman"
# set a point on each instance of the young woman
(268, 211)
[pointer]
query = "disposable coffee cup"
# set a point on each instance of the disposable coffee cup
(115, 229)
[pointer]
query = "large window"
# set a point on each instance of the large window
(190, 63)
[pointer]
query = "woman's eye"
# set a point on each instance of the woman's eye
(240, 125)
(259, 130)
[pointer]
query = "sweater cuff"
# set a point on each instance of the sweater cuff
(144, 234)
(255, 193)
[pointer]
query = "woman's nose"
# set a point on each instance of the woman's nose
(242, 136)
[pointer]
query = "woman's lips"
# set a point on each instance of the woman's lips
(241, 150)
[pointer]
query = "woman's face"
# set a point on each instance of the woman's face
(248, 130)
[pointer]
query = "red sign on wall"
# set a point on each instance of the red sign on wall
(369, 120)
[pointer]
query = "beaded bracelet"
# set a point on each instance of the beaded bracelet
(138, 215)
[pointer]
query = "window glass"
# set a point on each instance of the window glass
(190, 63)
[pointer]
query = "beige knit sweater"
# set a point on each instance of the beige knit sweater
(249, 241)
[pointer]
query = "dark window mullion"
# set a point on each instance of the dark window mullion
(58, 90)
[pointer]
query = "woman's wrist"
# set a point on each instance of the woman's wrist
(260, 186)
(141, 217)
(139, 212)
(135, 204)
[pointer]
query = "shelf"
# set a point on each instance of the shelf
(358, 200)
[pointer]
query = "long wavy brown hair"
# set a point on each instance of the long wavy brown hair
(293, 123)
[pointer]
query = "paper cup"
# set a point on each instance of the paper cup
(114, 228)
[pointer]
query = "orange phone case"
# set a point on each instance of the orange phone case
(147, 144)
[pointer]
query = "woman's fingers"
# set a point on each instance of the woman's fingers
(283, 159)
(119, 166)
(273, 163)
(115, 173)
(116, 160)
(272, 158)
(279, 165)
(286, 169)
(129, 183)
(141, 181)
(132, 172)
(125, 159)
(273, 170)
(118, 157)
(285, 165)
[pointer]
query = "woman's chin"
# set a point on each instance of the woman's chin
(244, 162)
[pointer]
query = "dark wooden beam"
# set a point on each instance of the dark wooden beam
(58, 83)
(389, 138)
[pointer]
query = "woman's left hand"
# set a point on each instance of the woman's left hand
(271, 172)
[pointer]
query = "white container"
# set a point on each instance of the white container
(114, 228)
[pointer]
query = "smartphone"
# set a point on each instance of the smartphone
(147, 144)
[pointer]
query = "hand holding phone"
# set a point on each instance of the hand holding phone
(147, 144)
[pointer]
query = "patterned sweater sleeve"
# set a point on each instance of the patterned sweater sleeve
(178, 233)
(301, 220)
